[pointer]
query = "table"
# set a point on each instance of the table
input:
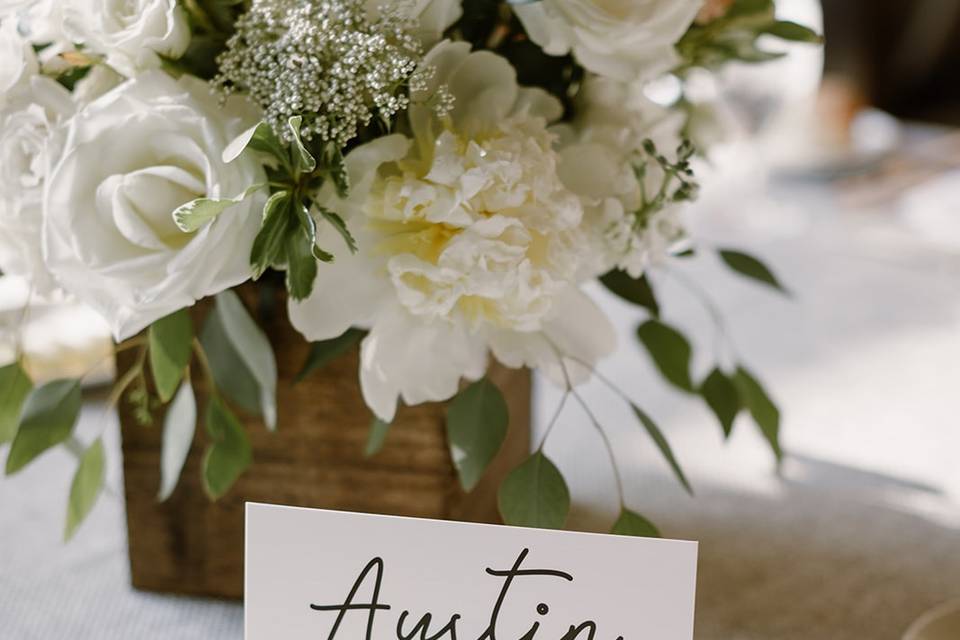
(857, 538)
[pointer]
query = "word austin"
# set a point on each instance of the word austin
(424, 629)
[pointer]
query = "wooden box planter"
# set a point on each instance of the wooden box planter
(190, 545)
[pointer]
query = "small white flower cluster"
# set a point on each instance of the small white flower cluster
(328, 60)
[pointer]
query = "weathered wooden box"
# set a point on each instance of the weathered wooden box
(190, 545)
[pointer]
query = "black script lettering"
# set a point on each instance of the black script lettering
(424, 627)
(348, 604)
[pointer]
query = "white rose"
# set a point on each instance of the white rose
(469, 243)
(601, 151)
(130, 159)
(618, 38)
(27, 145)
(17, 60)
(130, 34)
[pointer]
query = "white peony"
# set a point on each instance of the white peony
(132, 34)
(129, 160)
(469, 243)
(27, 145)
(601, 150)
(618, 38)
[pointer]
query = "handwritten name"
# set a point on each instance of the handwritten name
(422, 630)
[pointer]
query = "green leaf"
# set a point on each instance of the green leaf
(761, 407)
(377, 437)
(670, 350)
(301, 265)
(750, 267)
(269, 247)
(722, 397)
(635, 290)
(324, 352)
(171, 344)
(48, 418)
(260, 137)
(633, 524)
(15, 386)
(477, 421)
(337, 223)
(661, 441)
(230, 373)
(338, 173)
(86, 487)
(793, 32)
(195, 214)
(303, 159)
(179, 426)
(535, 495)
(228, 455)
(253, 347)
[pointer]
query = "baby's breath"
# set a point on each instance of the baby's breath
(327, 60)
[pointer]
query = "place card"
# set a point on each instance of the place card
(315, 574)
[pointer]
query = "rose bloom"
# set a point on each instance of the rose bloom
(130, 159)
(618, 38)
(129, 34)
(469, 243)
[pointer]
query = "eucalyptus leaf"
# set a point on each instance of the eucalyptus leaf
(86, 487)
(171, 345)
(635, 290)
(670, 351)
(750, 267)
(48, 418)
(229, 454)
(535, 495)
(324, 352)
(378, 436)
(722, 397)
(303, 159)
(230, 373)
(15, 386)
(179, 426)
(254, 349)
(477, 421)
(661, 441)
(763, 410)
(269, 246)
(633, 524)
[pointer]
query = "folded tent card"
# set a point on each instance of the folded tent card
(348, 576)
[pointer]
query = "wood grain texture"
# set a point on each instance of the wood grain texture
(189, 545)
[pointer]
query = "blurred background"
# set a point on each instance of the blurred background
(840, 167)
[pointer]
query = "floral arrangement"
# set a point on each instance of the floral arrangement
(433, 179)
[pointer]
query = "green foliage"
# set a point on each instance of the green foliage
(270, 245)
(722, 397)
(677, 183)
(661, 441)
(633, 524)
(15, 386)
(230, 373)
(378, 436)
(340, 226)
(193, 215)
(303, 160)
(252, 346)
(670, 351)
(635, 290)
(477, 421)
(535, 495)
(736, 36)
(302, 261)
(229, 453)
(86, 487)
(262, 139)
(324, 352)
(48, 418)
(763, 410)
(211, 24)
(171, 344)
(179, 426)
(750, 267)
